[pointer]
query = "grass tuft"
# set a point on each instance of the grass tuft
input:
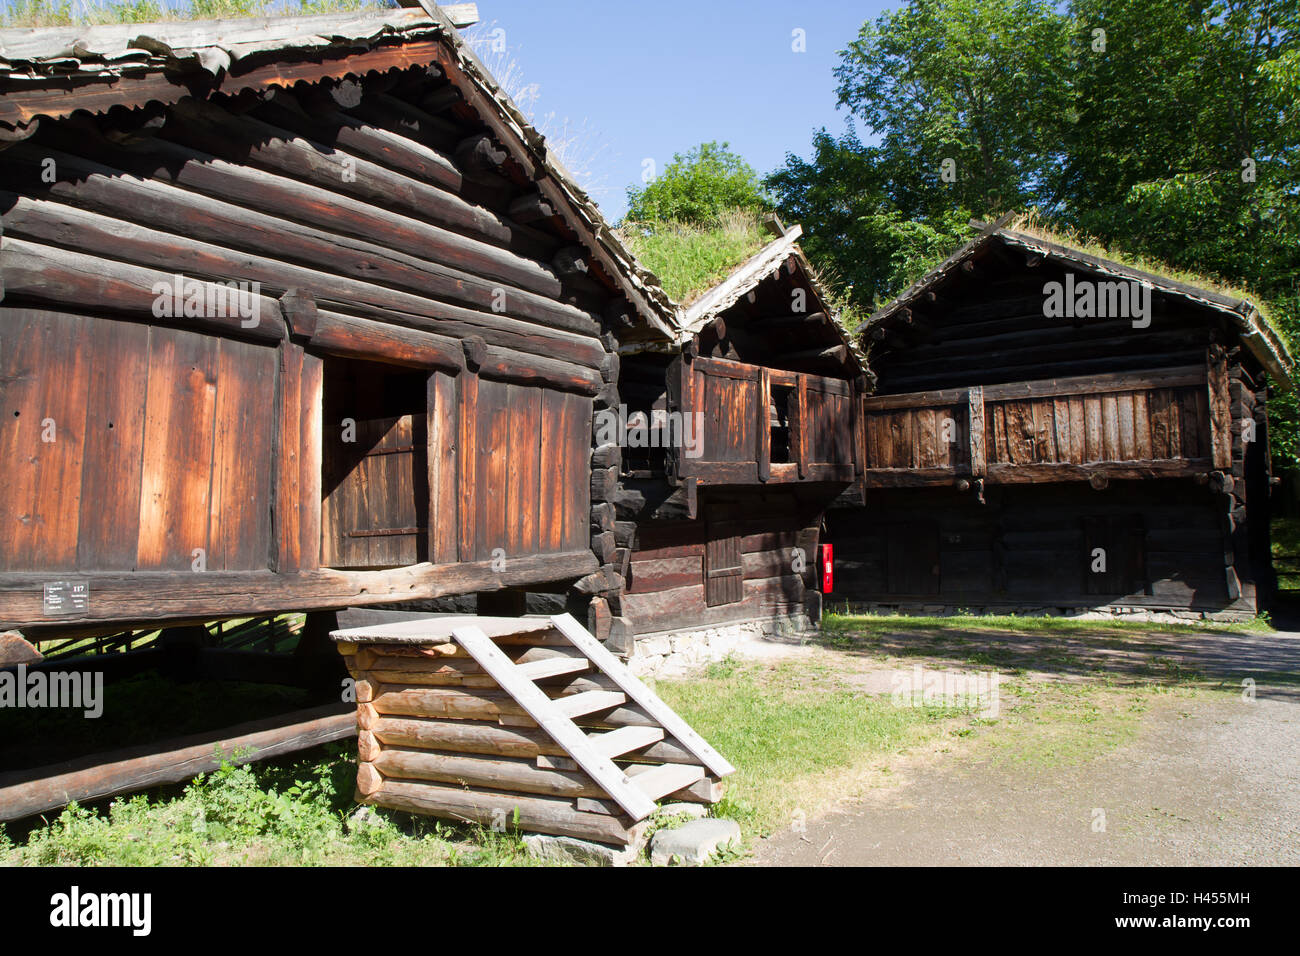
(689, 260)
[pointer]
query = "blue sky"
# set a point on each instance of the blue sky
(642, 79)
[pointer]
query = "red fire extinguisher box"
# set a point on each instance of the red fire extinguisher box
(828, 567)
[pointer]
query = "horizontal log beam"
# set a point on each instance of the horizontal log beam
(27, 792)
(152, 596)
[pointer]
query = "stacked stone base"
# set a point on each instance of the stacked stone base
(679, 653)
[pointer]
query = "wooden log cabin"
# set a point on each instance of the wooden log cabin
(1033, 445)
(721, 528)
(296, 314)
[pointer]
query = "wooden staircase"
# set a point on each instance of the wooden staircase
(633, 787)
(517, 722)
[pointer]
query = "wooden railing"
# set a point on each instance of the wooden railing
(1165, 422)
(765, 425)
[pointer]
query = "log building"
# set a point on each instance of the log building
(721, 529)
(296, 314)
(1053, 430)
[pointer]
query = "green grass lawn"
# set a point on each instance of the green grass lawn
(805, 732)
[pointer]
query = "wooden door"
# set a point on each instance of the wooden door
(724, 570)
(375, 467)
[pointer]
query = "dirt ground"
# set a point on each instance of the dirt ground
(1208, 779)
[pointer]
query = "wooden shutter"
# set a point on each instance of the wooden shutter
(724, 571)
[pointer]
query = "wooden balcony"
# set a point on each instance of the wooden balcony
(1163, 423)
(761, 425)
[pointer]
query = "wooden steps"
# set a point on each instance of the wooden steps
(468, 705)
(656, 782)
(553, 667)
(624, 740)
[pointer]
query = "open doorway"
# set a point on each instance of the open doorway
(375, 474)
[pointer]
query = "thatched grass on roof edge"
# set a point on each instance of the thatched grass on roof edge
(1032, 225)
(67, 13)
(690, 259)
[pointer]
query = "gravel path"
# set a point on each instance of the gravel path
(1206, 782)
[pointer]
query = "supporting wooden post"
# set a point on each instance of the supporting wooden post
(975, 432)
(799, 426)
(764, 426)
(1219, 408)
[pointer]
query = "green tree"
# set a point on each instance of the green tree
(969, 97)
(698, 187)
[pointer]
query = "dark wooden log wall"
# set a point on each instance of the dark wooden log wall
(1031, 546)
(666, 586)
(383, 233)
(990, 329)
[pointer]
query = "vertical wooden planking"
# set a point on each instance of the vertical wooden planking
(1219, 407)
(1044, 443)
(516, 504)
(60, 468)
(1110, 427)
(310, 461)
(763, 425)
(108, 538)
(976, 431)
(467, 461)
(1141, 426)
(1127, 432)
(287, 546)
(43, 384)
(859, 431)
(241, 452)
(799, 436)
(1191, 401)
(444, 523)
(1061, 428)
(927, 439)
(998, 413)
(1078, 430)
(176, 477)
(493, 467)
(577, 472)
(1094, 449)
(551, 496)
(530, 474)
(26, 352)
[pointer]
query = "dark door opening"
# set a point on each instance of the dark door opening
(375, 475)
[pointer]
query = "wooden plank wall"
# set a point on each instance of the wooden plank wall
(666, 586)
(378, 232)
(1125, 425)
(1028, 546)
(160, 446)
(915, 437)
(991, 329)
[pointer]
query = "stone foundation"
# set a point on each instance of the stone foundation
(678, 653)
(1109, 612)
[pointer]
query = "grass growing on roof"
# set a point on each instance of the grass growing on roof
(1033, 225)
(59, 13)
(688, 259)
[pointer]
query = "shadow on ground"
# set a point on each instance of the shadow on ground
(1124, 655)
